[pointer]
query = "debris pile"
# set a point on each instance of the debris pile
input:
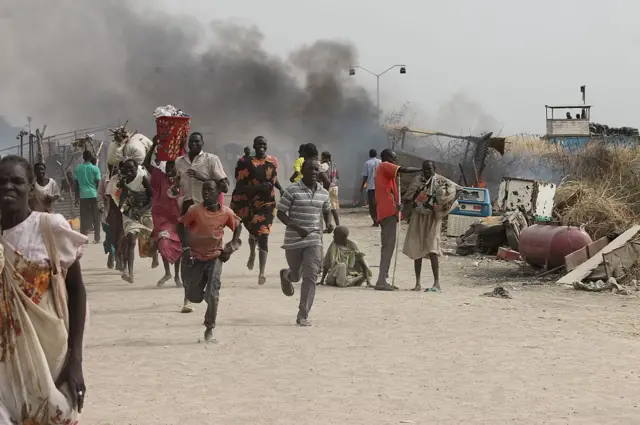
(605, 130)
(615, 267)
(498, 292)
(611, 285)
(491, 233)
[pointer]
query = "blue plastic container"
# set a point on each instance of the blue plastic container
(474, 202)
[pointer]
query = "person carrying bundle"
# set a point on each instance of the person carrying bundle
(432, 197)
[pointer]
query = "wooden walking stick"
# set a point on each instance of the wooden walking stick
(395, 261)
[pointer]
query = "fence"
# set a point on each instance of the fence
(61, 158)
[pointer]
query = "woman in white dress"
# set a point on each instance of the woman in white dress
(45, 190)
(42, 307)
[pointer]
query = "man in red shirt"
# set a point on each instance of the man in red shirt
(388, 206)
(202, 261)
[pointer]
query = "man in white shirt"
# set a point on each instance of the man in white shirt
(368, 172)
(197, 167)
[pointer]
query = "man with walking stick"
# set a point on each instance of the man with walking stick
(388, 209)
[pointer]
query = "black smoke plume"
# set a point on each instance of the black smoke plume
(74, 64)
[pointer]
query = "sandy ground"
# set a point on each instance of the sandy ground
(549, 355)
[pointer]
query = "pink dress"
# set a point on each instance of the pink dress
(165, 211)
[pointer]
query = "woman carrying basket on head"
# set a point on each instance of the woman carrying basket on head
(165, 211)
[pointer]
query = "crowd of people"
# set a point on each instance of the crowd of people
(175, 211)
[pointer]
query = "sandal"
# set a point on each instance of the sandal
(285, 284)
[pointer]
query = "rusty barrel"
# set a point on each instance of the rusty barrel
(546, 246)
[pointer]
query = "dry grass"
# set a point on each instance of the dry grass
(586, 203)
(601, 185)
(529, 144)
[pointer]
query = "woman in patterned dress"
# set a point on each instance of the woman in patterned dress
(254, 200)
(135, 204)
(42, 307)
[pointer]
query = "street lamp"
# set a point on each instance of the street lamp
(352, 72)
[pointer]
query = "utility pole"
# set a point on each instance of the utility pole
(352, 72)
(39, 135)
(30, 141)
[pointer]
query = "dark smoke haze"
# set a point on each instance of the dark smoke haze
(74, 64)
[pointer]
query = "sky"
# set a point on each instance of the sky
(511, 57)
(502, 59)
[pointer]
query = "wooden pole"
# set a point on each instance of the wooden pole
(39, 134)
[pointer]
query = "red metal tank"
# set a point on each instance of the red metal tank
(543, 245)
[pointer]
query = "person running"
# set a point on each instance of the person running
(344, 263)
(388, 206)
(109, 243)
(247, 152)
(194, 169)
(136, 202)
(297, 166)
(203, 232)
(165, 212)
(113, 193)
(197, 167)
(300, 209)
(368, 183)
(43, 305)
(432, 197)
(310, 151)
(87, 177)
(254, 201)
(45, 190)
(331, 171)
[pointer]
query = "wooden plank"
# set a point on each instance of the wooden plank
(588, 266)
(573, 260)
(594, 247)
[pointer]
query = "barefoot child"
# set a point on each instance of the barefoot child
(344, 263)
(202, 261)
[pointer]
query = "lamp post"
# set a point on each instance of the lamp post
(20, 137)
(352, 72)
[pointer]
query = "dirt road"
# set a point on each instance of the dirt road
(549, 355)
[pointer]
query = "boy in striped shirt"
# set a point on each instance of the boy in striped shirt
(300, 208)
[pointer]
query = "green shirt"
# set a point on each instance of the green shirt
(88, 175)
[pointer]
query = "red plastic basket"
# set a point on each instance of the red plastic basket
(172, 136)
